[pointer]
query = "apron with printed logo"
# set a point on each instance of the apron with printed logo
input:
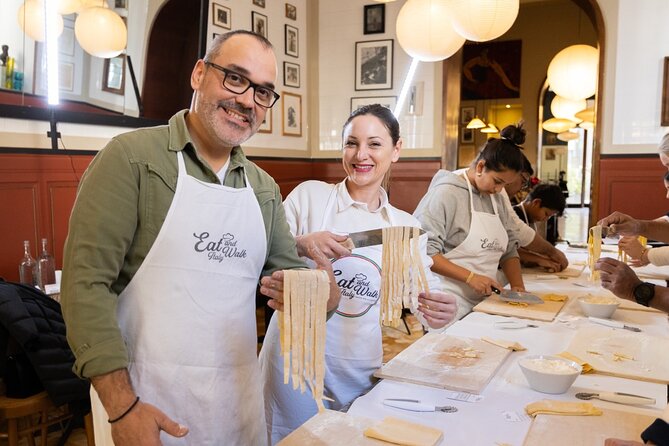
(479, 252)
(188, 316)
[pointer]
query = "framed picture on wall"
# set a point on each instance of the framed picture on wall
(467, 114)
(375, 19)
(291, 11)
(220, 16)
(113, 75)
(466, 135)
(665, 94)
(266, 126)
(291, 41)
(466, 154)
(291, 74)
(260, 3)
(291, 114)
(259, 23)
(386, 101)
(374, 65)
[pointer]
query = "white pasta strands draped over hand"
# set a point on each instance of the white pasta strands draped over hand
(302, 330)
(594, 250)
(402, 274)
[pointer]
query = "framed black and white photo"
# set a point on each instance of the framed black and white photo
(374, 65)
(466, 135)
(221, 16)
(387, 101)
(467, 114)
(260, 3)
(291, 74)
(291, 114)
(292, 42)
(259, 23)
(375, 19)
(291, 11)
(266, 126)
(113, 75)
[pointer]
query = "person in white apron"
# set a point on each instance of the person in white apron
(175, 222)
(469, 226)
(317, 212)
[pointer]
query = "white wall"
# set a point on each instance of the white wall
(637, 40)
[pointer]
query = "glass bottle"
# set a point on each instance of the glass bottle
(47, 267)
(28, 268)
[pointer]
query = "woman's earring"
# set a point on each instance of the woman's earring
(478, 174)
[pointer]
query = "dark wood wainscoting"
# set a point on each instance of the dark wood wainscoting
(632, 185)
(37, 192)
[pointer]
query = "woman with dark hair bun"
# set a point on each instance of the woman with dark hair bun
(469, 225)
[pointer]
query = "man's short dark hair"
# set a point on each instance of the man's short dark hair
(551, 197)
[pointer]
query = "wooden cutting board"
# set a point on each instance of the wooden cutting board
(629, 305)
(559, 430)
(538, 312)
(597, 345)
(332, 428)
(438, 360)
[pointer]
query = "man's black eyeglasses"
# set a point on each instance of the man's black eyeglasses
(238, 84)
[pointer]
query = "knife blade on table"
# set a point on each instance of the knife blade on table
(371, 237)
(417, 406)
(613, 324)
(517, 296)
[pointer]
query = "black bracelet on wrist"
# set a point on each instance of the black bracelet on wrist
(134, 403)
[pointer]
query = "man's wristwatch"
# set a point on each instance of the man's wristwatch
(644, 293)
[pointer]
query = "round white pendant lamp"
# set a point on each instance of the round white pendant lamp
(481, 20)
(586, 115)
(32, 20)
(567, 136)
(425, 32)
(567, 108)
(101, 32)
(572, 73)
(65, 7)
(557, 125)
(587, 125)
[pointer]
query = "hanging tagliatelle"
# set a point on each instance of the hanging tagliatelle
(594, 250)
(402, 274)
(622, 255)
(302, 330)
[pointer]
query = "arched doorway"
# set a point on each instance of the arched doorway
(170, 55)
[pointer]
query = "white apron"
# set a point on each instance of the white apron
(480, 252)
(188, 317)
(353, 350)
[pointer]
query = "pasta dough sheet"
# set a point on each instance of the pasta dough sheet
(302, 330)
(554, 407)
(397, 431)
(594, 250)
(402, 274)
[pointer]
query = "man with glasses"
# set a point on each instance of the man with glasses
(170, 232)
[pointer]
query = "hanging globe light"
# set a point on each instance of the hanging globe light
(587, 125)
(425, 32)
(567, 136)
(101, 32)
(586, 115)
(481, 20)
(572, 73)
(32, 20)
(557, 125)
(65, 7)
(567, 108)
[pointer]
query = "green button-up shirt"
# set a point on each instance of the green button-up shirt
(121, 204)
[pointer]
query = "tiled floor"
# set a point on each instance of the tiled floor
(573, 225)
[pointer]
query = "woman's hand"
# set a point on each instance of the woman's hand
(483, 284)
(519, 288)
(331, 245)
(633, 248)
(439, 308)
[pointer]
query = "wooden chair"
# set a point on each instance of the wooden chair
(26, 416)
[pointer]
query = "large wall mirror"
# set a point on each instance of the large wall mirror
(91, 87)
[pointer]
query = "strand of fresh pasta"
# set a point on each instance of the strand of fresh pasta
(402, 274)
(302, 330)
(594, 250)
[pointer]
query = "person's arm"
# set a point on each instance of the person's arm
(529, 258)
(479, 283)
(623, 224)
(511, 268)
(619, 278)
(541, 246)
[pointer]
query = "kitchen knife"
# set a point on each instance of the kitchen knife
(371, 237)
(613, 324)
(417, 406)
(517, 296)
(616, 397)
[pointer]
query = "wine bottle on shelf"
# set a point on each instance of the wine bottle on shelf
(47, 267)
(28, 268)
